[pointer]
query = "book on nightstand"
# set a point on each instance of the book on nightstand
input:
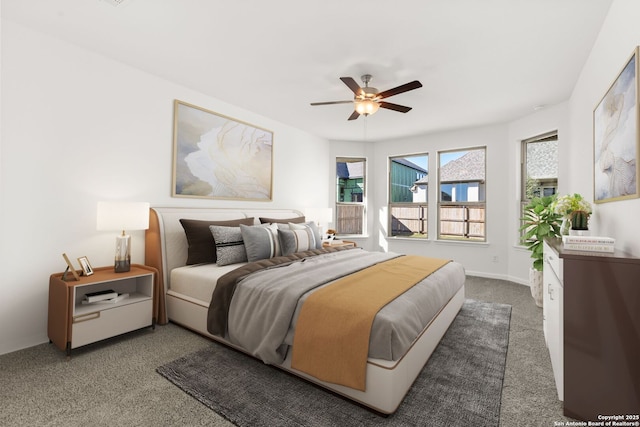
(100, 295)
(113, 300)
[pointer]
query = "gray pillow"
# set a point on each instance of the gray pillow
(229, 244)
(261, 241)
(293, 241)
(314, 230)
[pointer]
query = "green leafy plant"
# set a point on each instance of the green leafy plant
(539, 222)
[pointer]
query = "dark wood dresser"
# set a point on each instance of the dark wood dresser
(601, 320)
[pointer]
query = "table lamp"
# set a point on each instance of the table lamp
(321, 216)
(123, 216)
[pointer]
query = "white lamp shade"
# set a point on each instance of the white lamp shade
(123, 216)
(319, 215)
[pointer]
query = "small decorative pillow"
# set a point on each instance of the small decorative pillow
(293, 241)
(317, 239)
(229, 244)
(201, 246)
(261, 241)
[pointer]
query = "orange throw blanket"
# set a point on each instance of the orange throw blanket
(331, 340)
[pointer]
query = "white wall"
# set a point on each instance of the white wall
(619, 36)
(79, 128)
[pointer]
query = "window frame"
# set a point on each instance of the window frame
(421, 220)
(524, 176)
(342, 206)
(473, 212)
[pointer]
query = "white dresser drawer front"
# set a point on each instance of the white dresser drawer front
(103, 324)
(552, 260)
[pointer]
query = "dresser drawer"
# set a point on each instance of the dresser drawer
(102, 324)
(552, 260)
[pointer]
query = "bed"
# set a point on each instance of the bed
(390, 369)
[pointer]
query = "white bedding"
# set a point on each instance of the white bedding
(198, 281)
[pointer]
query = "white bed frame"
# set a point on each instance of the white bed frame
(387, 381)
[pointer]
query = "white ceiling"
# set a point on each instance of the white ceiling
(480, 61)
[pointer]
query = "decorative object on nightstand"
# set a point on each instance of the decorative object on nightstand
(87, 270)
(70, 268)
(575, 212)
(123, 216)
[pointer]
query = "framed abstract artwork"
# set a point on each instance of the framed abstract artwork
(217, 157)
(616, 140)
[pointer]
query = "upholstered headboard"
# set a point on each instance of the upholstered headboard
(166, 242)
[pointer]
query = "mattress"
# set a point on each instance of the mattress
(198, 281)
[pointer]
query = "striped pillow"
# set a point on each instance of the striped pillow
(317, 242)
(229, 245)
(293, 241)
(261, 241)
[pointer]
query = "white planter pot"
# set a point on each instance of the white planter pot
(535, 283)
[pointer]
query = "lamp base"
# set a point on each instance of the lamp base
(123, 253)
(123, 266)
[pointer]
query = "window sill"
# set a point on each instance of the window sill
(461, 242)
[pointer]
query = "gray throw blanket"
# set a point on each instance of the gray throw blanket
(263, 306)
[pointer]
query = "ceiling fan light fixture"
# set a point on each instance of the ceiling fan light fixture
(367, 107)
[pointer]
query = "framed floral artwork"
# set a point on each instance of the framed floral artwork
(217, 157)
(616, 139)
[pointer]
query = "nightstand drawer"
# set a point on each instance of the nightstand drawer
(106, 323)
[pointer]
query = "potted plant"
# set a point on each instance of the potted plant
(574, 210)
(540, 221)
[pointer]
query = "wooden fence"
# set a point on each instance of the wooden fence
(462, 221)
(349, 219)
(456, 221)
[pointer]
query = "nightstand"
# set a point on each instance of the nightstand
(343, 244)
(72, 323)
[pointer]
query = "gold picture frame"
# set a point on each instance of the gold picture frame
(87, 270)
(218, 157)
(616, 137)
(70, 268)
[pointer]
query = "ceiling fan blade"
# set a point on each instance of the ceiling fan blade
(352, 85)
(354, 115)
(400, 89)
(394, 107)
(332, 102)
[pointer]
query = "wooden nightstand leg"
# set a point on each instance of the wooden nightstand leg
(68, 350)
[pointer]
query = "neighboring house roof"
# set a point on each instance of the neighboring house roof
(407, 163)
(470, 167)
(350, 170)
(542, 160)
(423, 180)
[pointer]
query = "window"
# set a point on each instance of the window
(408, 190)
(539, 166)
(461, 204)
(350, 195)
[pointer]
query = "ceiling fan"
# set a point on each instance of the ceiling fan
(367, 100)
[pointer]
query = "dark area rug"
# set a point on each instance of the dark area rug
(461, 384)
